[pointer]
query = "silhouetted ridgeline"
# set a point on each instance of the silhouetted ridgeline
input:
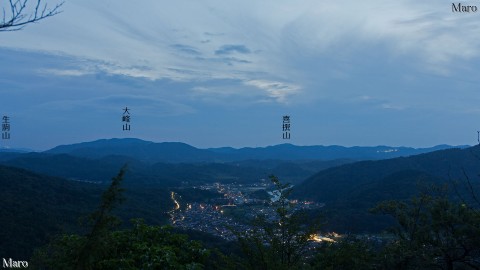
(175, 152)
(351, 189)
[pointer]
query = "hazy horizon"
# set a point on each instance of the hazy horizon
(227, 146)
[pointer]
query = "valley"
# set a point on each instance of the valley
(232, 210)
(219, 203)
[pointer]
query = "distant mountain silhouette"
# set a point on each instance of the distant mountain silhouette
(293, 152)
(144, 151)
(163, 174)
(176, 152)
(15, 150)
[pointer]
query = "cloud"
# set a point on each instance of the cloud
(141, 105)
(389, 106)
(377, 103)
(214, 34)
(230, 93)
(186, 49)
(283, 31)
(234, 92)
(229, 49)
(95, 67)
(218, 95)
(303, 44)
(66, 72)
(278, 91)
(280, 29)
(365, 98)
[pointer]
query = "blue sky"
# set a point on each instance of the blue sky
(223, 73)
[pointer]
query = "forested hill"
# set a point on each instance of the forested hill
(339, 182)
(141, 174)
(144, 151)
(350, 190)
(35, 207)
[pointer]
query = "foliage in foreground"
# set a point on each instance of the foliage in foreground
(348, 253)
(141, 247)
(433, 232)
(281, 243)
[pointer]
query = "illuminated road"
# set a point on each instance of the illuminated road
(177, 205)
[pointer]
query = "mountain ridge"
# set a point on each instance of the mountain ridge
(449, 163)
(350, 190)
(178, 152)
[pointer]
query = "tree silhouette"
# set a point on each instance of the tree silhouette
(141, 246)
(281, 243)
(18, 13)
(433, 232)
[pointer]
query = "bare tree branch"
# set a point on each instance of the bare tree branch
(17, 16)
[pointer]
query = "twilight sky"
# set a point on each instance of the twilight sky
(223, 73)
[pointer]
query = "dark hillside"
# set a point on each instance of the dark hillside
(35, 207)
(350, 190)
(337, 183)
